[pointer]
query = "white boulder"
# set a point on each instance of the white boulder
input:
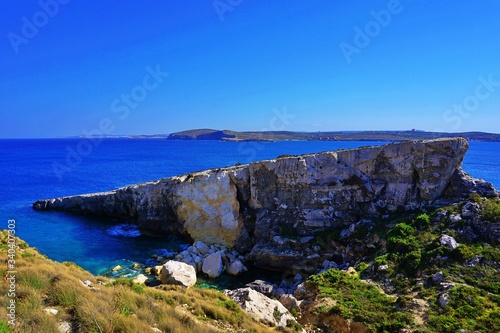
(448, 241)
(236, 268)
(175, 272)
(140, 279)
(261, 307)
(213, 265)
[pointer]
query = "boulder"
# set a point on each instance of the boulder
(140, 279)
(213, 265)
(289, 302)
(443, 299)
(263, 287)
(202, 247)
(261, 307)
(448, 241)
(438, 278)
(179, 273)
(157, 270)
(236, 268)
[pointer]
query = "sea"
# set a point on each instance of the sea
(32, 169)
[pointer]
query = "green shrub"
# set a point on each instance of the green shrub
(410, 262)
(491, 210)
(359, 301)
(474, 197)
(422, 221)
(462, 253)
(401, 239)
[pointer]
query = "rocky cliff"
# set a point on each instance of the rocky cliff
(253, 207)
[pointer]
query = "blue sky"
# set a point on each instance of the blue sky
(71, 66)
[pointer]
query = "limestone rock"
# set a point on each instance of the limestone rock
(51, 311)
(262, 287)
(157, 270)
(448, 241)
(236, 268)
(207, 207)
(201, 247)
(140, 279)
(289, 302)
(261, 307)
(443, 299)
(213, 265)
(175, 272)
(65, 327)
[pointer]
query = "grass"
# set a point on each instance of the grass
(118, 306)
(359, 301)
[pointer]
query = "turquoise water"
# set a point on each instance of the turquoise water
(27, 174)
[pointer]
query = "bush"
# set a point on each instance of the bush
(359, 301)
(401, 239)
(422, 221)
(474, 197)
(491, 210)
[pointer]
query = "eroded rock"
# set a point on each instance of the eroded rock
(261, 307)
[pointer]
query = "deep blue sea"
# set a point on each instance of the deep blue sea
(34, 169)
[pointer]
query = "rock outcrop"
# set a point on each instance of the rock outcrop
(257, 206)
(261, 307)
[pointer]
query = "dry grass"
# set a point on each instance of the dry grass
(115, 307)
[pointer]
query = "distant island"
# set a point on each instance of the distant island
(228, 135)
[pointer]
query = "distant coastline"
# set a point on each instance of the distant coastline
(229, 135)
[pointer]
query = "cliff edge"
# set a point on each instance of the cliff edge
(248, 207)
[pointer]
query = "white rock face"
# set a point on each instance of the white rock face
(208, 208)
(175, 272)
(448, 241)
(261, 307)
(213, 265)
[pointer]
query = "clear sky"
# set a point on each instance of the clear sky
(70, 67)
